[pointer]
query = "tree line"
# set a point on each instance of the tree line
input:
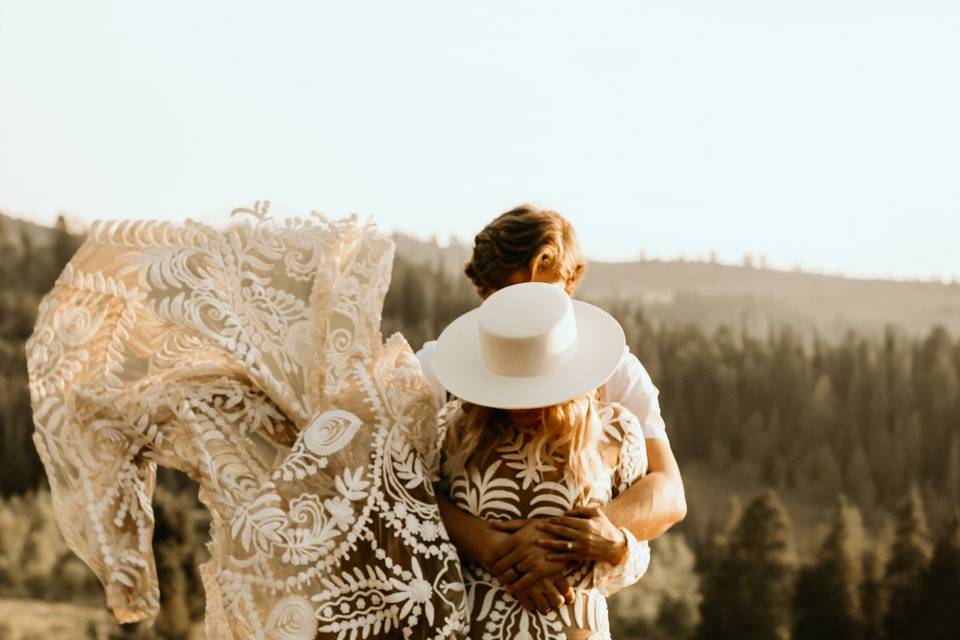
(750, 581)
(867, 415)
(35, 562)
(754, 586)
(865, 428)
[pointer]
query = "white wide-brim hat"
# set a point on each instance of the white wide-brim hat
(527, 346)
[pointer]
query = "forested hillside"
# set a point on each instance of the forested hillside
(868, 413)
(748, 296)
(821, 463)
(31, 258)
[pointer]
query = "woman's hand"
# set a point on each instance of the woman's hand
(545, 596)
(585, 533)
(523, 568)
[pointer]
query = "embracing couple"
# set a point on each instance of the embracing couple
(498, 484)
(556, 468)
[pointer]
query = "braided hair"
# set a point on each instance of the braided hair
(527, 239)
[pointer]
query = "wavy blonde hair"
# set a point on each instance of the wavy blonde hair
(571, 430)
(528, 239)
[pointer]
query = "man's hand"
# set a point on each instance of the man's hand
(585, 533)
(523, 568)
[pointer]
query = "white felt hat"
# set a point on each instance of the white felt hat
(528, 345)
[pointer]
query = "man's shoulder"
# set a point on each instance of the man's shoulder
(630, 368)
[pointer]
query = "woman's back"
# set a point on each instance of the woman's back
(510, 484)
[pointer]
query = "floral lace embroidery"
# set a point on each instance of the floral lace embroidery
(513, 485)
(196, 349)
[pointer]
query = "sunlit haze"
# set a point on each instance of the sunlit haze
(821, 134)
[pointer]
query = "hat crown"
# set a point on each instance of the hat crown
(527, 329)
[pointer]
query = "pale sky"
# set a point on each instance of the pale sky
(824, 133)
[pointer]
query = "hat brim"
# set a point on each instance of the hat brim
(457, 365)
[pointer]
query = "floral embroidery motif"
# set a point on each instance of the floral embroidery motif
(292, 619)
(330, 431)
(197, 349)
(514, 485)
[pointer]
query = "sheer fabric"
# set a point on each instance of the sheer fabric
(251, 359)
(511, 484)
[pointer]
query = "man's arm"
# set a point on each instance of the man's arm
(656, 501)
(474, 538)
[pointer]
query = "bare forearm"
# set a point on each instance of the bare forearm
(649, 507)
(471, 536)
(655, 502)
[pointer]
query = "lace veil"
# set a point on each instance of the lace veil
(249, 357)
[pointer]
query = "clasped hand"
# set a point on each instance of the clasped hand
(530, 561)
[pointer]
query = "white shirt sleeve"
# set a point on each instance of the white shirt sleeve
(631, 386)
(425, 355)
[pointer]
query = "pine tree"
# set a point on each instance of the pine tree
(827, 602)
(710, 559)
(413, 307)
(677, 618)
(73, 580)
(173, 543)
(872, 596)
(64, 245)
(8, 570)
(858, 480)
(952, 473)
(941, 587)
(43, 545)
(825, 476)
(174, 618)
(752, 586)
(718, 537)
(909, 559)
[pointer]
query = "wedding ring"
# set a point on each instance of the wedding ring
(569, 546)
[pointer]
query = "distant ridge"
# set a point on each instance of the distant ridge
(830, 303)
(704, 294)
(756, 299)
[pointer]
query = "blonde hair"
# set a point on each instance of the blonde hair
(525, 238)
(570, 430)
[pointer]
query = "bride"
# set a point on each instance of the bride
(251, 359)
(526, 438)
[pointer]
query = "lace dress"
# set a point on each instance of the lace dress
(251, 359)
(511, 484)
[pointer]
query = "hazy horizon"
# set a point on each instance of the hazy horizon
(822, 136)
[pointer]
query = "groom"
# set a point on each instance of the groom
(530, 244)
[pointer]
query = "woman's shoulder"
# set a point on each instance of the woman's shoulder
(618, 421)
(623, 432)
